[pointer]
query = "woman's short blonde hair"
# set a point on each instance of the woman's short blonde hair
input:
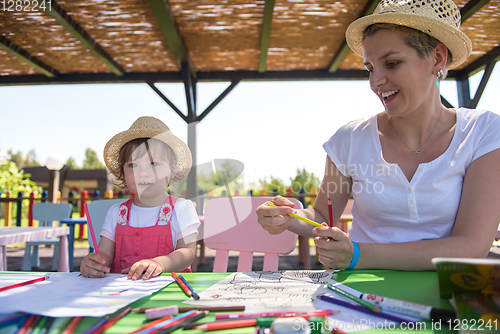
(420, 41)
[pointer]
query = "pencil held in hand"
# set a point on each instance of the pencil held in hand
(304, 219)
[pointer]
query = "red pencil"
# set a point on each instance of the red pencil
(231, 324)
(330, 213)
(27, 324)
(182, 285)
(72, 325)
(91, 228)
(113, 320)
(8, 287)
(152, 323)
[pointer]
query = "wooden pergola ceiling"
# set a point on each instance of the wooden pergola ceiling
(83, 41)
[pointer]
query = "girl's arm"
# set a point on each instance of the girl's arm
(475, 227)
(178, 260)
(95, 265)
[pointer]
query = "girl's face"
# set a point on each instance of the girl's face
(399, 76)
(147, 177)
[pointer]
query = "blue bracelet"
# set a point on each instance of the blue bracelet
(355, 256)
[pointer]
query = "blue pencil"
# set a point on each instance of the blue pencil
(363, 309)
(195, 295)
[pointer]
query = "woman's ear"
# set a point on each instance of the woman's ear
(440, 56)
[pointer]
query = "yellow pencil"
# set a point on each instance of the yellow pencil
(309, 221)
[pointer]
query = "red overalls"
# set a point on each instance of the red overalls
(133, 244)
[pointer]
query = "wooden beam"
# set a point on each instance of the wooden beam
(103, 78)
(472, 7)
(266, 34)
(166, 20)
(344, 49)
(482, 85)
(477, 65)
(19, 53)
(80, 34)
(166, 99)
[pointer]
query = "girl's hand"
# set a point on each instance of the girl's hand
(275, 220)
(150, 268)
(335, 249)
(93, 266)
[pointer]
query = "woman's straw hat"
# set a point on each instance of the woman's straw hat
(438, 18)
(148, 127)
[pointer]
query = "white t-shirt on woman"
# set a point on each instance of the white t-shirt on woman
(387, 207)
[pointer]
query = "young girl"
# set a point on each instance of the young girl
(152, 232)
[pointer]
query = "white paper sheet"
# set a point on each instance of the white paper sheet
(266, 291)
(71, 295)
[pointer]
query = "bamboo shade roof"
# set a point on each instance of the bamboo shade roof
(153, 40)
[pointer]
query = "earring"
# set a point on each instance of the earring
(439, 75)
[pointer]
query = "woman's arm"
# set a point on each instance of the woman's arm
(475, 227)
(335, 186)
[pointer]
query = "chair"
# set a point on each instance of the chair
(45, 213)
(231, 224)
(97, 211)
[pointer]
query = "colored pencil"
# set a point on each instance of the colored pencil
(47, 326)
(40, 325)
(12, 286)
(182, 285)
(151, 324)
(354, 298)
(59, 325)
(222, 325)
(27, 324)
(72, 325)
(184, 322)
(195, 295)
(113, 320)
(304, 219)
(330, 212)
(199, 308)
(91, 228)
(95, 326)
(363, 309)
(12, 319)
(166, 323)
(220, 316)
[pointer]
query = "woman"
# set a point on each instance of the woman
(424, 178)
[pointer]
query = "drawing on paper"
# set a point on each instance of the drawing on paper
(267, 290)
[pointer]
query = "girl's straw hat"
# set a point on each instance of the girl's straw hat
(148, 127)
(438, 18)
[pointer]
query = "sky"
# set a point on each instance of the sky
(273, 128)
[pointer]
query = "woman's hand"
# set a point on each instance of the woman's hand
(335, 249)
(150, 268)
(93, 266)
(275, 220)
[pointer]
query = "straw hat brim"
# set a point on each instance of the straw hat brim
(180, 149)
(455, 40)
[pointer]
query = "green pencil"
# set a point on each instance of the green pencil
(372, 307)
(40, 325)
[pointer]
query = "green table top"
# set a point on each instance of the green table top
(418, 287)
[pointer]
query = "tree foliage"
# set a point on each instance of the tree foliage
(15, 180)
(273, 187)
(304, 180)
(92, 161)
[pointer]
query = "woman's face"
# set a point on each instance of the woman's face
(399, 76)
